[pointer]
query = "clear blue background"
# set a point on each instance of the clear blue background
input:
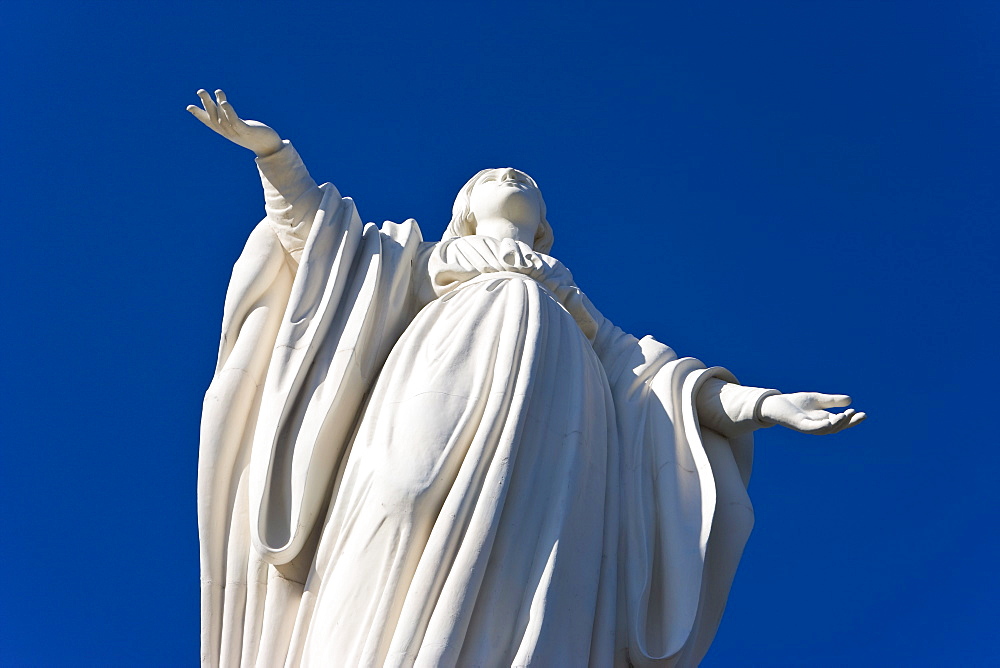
(805, 193)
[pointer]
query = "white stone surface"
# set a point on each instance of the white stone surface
(441, 454)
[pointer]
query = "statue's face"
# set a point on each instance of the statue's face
(506, 203)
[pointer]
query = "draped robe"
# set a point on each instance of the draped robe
(443, 454)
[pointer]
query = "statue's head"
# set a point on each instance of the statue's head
(506, 194)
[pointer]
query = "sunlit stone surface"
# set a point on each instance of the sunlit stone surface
(442, 454)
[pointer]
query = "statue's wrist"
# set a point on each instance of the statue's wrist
(760, 413)
(269, 150)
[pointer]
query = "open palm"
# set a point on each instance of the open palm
(807, 412)
(219, 115)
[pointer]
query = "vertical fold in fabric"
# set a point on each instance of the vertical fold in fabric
(299, 351)
(685, 514)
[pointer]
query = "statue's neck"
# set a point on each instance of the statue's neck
(504, 228)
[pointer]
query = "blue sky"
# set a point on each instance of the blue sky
(805, 193)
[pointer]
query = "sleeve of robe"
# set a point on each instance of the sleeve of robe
(686, 452)
(314, 305)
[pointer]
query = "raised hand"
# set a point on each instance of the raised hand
(219, 115)
(806, 412)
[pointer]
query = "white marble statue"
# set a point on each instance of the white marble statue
(441, 454)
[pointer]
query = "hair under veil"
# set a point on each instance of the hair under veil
(463, 222)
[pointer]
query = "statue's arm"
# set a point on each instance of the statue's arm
(732, 409)
(291, 196)
(728, 408)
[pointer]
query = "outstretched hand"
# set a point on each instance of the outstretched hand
(219, 115)
(806, 412)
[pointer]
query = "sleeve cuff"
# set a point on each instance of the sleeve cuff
(284, 175)
(757, 416)
(731, 409)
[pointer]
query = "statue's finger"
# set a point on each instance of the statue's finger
(209, 104)
(820, 400)
(220, 96)
(833, 428)
(835, 423)
(843, 420)
(200, 114)
(847, 419)
(230, 115)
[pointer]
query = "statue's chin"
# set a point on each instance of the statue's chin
(509, 202)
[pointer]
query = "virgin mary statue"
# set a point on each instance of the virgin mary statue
(441, 454)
